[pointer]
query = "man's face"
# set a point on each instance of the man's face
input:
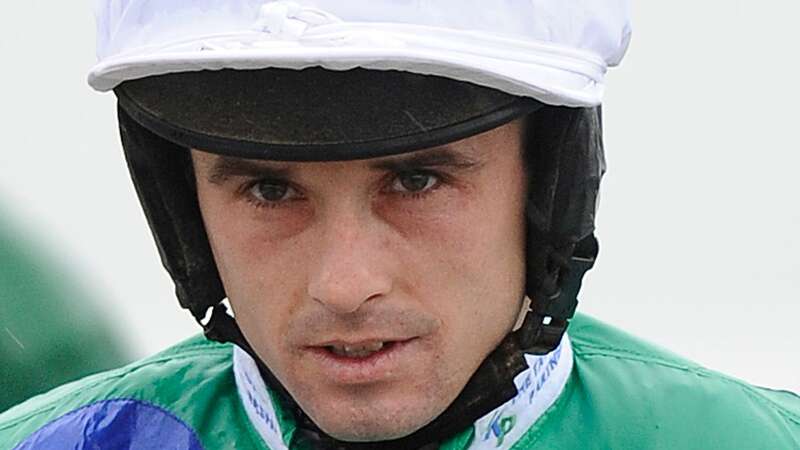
(372, 289)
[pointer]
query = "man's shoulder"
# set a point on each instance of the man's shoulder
(660, 399)
(165, 385)
(591, 337)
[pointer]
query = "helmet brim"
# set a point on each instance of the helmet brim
(315, 114)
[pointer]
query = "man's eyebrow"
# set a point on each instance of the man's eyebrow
(437, 157)
(225, 167)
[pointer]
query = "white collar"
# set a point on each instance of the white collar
(538, 388)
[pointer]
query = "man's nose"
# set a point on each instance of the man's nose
(351, 267)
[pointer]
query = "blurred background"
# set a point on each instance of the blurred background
(698, 221)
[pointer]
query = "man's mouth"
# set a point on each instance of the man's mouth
(363, 361)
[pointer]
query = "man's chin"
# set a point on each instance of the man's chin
(359, 424)
(369, 432)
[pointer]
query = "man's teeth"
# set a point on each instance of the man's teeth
(357, 351)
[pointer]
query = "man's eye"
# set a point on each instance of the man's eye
(272, 191)
(414, 182)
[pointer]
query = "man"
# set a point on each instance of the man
(397, 199)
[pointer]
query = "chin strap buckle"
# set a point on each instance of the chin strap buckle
(221, 327)
(549, 316)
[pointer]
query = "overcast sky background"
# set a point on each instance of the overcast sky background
(699, 215)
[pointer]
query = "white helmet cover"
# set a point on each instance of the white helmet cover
(556, 51)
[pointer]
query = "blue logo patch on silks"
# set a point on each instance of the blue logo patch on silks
(114, 424)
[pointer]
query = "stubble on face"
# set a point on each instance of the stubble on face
(349, 256)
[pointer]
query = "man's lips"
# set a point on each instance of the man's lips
(359, 347)
(380, 343)
(362, 361)
(354, 341)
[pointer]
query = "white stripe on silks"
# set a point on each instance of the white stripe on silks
(256, 401)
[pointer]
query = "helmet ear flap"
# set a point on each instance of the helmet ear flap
(565, 162)
(164, 180)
